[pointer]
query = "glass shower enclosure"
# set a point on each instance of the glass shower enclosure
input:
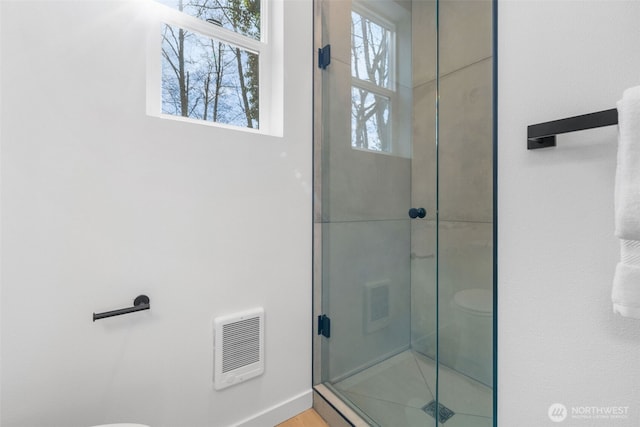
(404, 216)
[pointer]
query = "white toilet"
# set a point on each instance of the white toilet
(473, 320)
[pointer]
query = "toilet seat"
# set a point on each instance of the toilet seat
(475, 301)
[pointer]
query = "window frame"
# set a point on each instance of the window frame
(389, 91)
(264, 48)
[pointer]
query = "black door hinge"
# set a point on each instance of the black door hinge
(324, 57)
(324, 326)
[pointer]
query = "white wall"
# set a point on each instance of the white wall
(558, 338)
(101, 203)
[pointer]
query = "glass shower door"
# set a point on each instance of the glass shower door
(466, 211)
(369, 209)
(392, 252)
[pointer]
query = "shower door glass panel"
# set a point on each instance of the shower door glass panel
(465, 220)
(397, 345)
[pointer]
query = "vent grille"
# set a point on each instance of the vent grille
(377, 305)
(238, 348)
(241, 344)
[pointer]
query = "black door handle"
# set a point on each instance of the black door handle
(417, 213)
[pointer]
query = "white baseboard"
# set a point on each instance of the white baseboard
(280, 412)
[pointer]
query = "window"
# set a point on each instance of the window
(215, 61)
(240, 16)
(373, 94)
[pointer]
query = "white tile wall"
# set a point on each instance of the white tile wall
(359, 252)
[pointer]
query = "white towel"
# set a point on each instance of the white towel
(626, 282)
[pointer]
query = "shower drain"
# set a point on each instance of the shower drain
(444, 413)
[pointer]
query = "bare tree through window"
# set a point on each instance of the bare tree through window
(371, 80)
(208, 79)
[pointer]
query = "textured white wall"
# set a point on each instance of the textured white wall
(558, 338)
(101, 203)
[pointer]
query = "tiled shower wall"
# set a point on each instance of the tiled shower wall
(465, 164)
(365, 199)
(367, 236)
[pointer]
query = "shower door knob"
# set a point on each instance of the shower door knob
(417, 213)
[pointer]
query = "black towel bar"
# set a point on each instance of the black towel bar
(543, 135)
(140, 303)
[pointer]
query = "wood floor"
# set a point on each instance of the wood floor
(308, 418)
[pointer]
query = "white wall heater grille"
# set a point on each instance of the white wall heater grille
(238, 348)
